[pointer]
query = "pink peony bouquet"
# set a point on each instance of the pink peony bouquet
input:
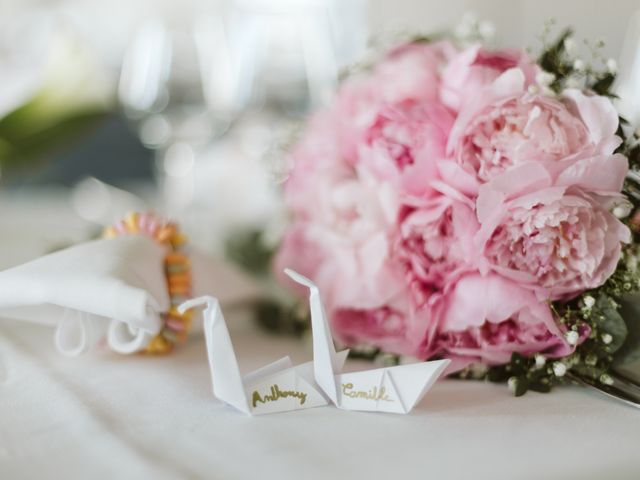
(470, 204)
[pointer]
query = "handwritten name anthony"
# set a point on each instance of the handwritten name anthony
(277, 394)
(372, 394)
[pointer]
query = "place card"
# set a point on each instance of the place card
(389, 389)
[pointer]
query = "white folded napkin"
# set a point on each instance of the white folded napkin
(113, 288)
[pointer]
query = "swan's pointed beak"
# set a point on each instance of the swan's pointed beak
(301, 279)
(206, 301)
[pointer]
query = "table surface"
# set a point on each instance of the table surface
(104, 415)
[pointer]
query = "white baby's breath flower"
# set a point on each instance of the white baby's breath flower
(512, 383)
(579, 65)
(569, 45)
(486, 30)
(572, 337)
(545, 78)
(540, 360)
(606, 338)
(573, 82)
(622, 210)
(612, 65)
(589, 301)
(606, 379)
(468, 24)
(478, 370)
(559, 369)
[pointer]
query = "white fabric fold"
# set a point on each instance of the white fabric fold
(111, 288)
(113, 284)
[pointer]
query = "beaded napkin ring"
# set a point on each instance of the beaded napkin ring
(177, 267)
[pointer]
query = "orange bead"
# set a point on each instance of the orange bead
(165, 233)
(180, 277)
(176, 258)
(179, 239)
(175, 290)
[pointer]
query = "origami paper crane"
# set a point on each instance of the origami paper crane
(277, 387)
(390, 389)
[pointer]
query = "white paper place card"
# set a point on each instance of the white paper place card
(391, 389)
(277, 387)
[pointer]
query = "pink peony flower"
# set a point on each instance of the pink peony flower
(396, 327)
(559, 242)
(487, 318)
(530, 128)
(471, 70)
(403, 144)
(434, 243)
(409, 73)
(440, 204)
(508, 127)
(347, 222)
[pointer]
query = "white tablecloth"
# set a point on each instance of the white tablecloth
(109, 416)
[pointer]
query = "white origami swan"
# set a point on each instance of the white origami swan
(390, 389)
(276, 387)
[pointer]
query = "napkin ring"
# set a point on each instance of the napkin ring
(177, 267)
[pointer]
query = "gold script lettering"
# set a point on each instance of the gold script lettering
(275, 394)
(373, 394)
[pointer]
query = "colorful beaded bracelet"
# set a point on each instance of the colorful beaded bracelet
(177, 269)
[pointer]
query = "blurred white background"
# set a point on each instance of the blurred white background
(195, 97)
(517, 22)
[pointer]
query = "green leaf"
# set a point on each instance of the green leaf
(603, 84)
(522, 385)
(498, 374)
(540, 386)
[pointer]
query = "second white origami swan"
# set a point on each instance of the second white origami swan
(276, 387)
(390, 389)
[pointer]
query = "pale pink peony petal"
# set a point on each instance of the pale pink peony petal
(597, 112)
(588, 174)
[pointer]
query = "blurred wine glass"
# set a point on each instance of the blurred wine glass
(176, 84)
(214, 94)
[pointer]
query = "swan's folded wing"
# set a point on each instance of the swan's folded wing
(413, 381)
(274, 367)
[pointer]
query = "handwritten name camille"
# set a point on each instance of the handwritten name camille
(276, 394)
(372, 394)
